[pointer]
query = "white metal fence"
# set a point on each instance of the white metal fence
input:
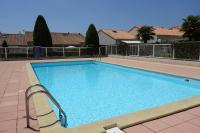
(145, 50)
(153, 50)
(45, 52)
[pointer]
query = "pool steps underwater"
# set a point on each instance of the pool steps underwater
(114, 130)
(62, 115)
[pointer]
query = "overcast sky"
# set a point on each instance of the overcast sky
(76, 15)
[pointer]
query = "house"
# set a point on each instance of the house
(12, 39)
(162, 34)
(115, 37)
(58, 39)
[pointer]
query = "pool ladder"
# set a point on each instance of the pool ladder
(62, 115)
(98, 58)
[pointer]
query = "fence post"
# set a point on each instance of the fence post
(6, 56)
(63, 51)
(199, 57)
(111, 49)
(79, 52)
(46, 52)
(99, 51)
(126, 51)
(116, 49)
(138, 51)
(106, 49)
(27, 52)
(131, 50)
(199, 54)
(173, 52)
(153, 50)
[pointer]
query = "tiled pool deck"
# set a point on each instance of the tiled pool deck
(14, 81)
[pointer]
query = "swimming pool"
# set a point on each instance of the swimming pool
(89, 91)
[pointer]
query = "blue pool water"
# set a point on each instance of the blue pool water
(89, 91)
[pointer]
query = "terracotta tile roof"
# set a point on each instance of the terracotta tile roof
(118, 34)
(13, 39)
(61, 38)
(173, 31)
(57, 38)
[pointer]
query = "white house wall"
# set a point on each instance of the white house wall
(104, 39)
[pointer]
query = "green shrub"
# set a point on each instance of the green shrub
(187, 50)
(164, 54)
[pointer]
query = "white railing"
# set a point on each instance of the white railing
(45, 52)
(145, 50)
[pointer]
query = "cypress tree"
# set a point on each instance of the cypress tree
(92, 38)
(4, 44)
(41, 33)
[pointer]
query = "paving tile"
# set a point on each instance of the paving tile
(9, 98)
(3, 85)
(2, 90)
(8, 109)
(171, 120)
(13, 81)
(185, 116)
(138, 129)
(21, 103)
(21, 114)
(26, 130)
(14, 90)
(11, 94)
(195, 122)
(9, 103)
(12, 86)
(188, 128)
(8, 125)
(8, 116)
(8, 131)
(21, 107)
(21, 92)
(156, 125)
(171, 130)
(195, 111)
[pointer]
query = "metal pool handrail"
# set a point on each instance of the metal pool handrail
(98, 56)
(44, 91)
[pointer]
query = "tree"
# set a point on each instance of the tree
(191, 27)
(146, 33)
(197, 35)
(4, 44)
(41, 33)
(92, 38)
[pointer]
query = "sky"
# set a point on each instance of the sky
(76, 15)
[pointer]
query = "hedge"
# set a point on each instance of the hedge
(187, 50)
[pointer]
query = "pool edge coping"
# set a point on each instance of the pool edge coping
(122, 121)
